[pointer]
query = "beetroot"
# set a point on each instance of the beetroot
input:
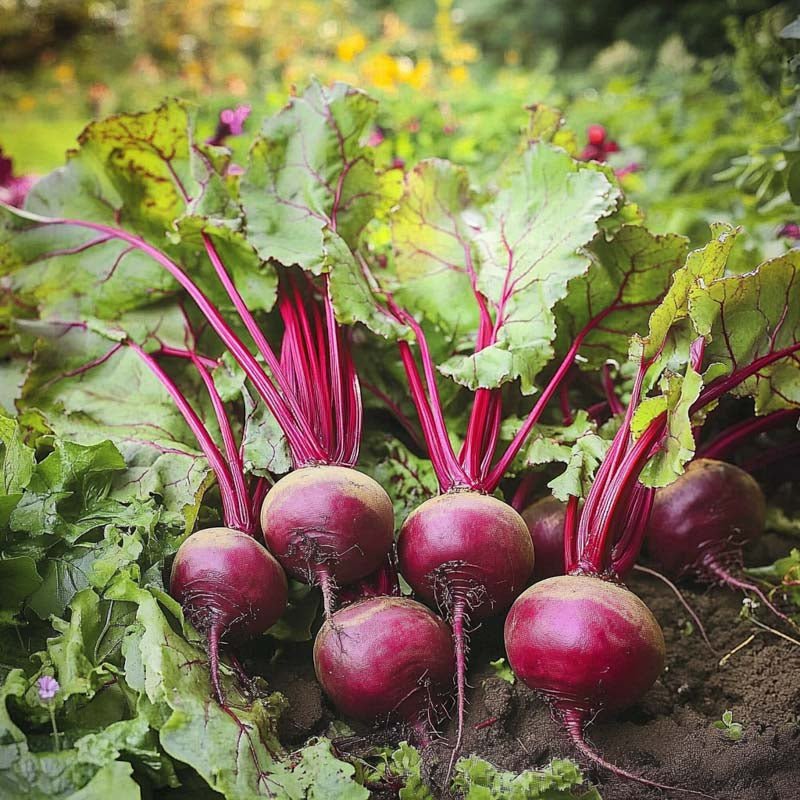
(385, 657)
(466, 548)
(230, 587)
(582, 640)
(471, 555)
(328, 525)
(700, 523)
(585, 644)
(545, 521)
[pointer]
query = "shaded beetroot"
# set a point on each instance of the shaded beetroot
(700, 522)
(328, 525)
(545, 521)
(385, 657)
(230, 588)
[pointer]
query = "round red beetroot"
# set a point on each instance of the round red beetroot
(708, 512)
(584, 643)
(328, 518)
(467, 544)
(225, 579)
(386, 656)
(545, 521)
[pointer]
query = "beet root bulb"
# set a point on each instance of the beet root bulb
(467, 545)
(470, 554)
(701, 521)
(545, 521)
(328, 525)
(231, 589)
(584, 643)
(385, 657)
(587, 646)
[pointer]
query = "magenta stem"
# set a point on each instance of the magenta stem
(235, 464)
(230, 504)
(610, 392)
(500, 468)
(455, 474)
(522, 495)
(721, 446)
(571, 534)
(716, 569)
(257, 335)
(245, 359)
(425, 415)
(723, 385)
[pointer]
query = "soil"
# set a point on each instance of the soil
(668, 737)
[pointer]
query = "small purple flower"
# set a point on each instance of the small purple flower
(48, 687)
(13, 188)
(376, 137)
(231, 123)
(791, 230)
(235, 118)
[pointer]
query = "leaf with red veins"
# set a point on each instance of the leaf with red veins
(528, 249)
(750, 317)
(433, 231)
(147, 162)
(89, 388)
(136, 172)
(311, 172)
(670, 330)
(628, 277)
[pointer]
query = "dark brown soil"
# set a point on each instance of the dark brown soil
(669, 737)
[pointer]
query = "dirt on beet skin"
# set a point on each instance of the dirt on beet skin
(668, 737)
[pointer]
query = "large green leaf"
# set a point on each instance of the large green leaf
(519, 250)
(119, 398)
(312, 188)
(628, 276)
(309, 172)
(234, 751)
(748, 317)
(17, 460)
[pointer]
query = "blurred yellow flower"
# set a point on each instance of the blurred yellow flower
(26, 103)
(236, 86)
(381, 71)
(284, 51)
(418, 75)
(349, 47)
(393, 26)
(458, 74)
(462, 53)
(511, 57)
(64, 73)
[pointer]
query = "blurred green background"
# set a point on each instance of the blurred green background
(700, 96)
